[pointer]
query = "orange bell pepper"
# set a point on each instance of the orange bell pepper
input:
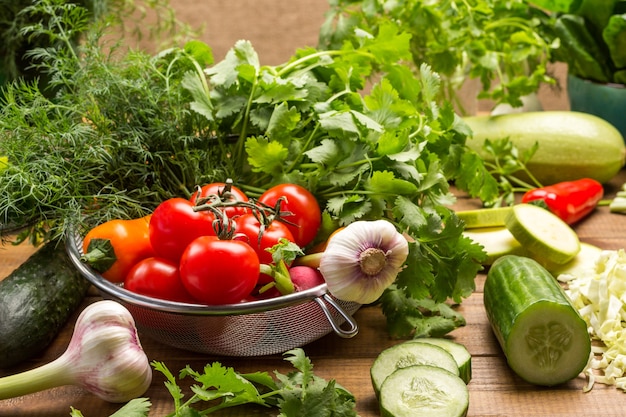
(114, 247)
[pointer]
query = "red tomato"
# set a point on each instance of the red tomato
(250, 227)
(219, 189)
(307, 215)
(219, 271)
(158, 278)
(174, 224)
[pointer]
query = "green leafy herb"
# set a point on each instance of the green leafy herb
(490, 40)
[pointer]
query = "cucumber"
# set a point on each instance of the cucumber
(36, 300)
(485, 217)
(423, 390)
(542, 335)
(407, 354)
(572, 145)
(543, 234)
(459, 352)
(496, 242)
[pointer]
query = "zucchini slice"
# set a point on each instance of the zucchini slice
(423, 390)
(496, 242)
(543, 337)
(543, 234)
(484, 217)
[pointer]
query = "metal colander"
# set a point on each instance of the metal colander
(255, 328)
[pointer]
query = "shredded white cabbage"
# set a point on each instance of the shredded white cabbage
(599, 294)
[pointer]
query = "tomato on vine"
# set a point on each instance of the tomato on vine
(305, 216)
(174, 224)
(225, 192)
(218, 271)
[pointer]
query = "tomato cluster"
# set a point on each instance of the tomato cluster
(212, 247)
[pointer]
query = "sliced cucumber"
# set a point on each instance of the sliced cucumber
(496, 241)
(423, 390)
(543, 234)
(407, 354)
(487, 217)
(459, 352)
(542, 335)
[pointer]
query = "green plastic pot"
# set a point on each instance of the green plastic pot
(607, 101)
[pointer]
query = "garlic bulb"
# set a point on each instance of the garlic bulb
(363, 259)
(104, 356)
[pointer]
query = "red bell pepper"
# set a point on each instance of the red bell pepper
(570, 200)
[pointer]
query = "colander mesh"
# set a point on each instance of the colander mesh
(255, 334)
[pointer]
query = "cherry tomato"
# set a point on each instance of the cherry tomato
(158, 278)
(219, 189)
(306, 213)
(250, 227)
(219, 271)
(174, 224)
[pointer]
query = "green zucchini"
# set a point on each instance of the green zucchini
(423, 390)
(572, 145)
(484, 217)
(542, 335)
(36, 300)
(496, 242)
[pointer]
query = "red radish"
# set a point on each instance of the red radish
(305, 277)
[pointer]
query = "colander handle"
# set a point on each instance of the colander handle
(352, 328)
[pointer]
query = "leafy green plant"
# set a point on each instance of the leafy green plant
(499, 42)
(593, 37)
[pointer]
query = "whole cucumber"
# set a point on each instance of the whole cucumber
(36, 300)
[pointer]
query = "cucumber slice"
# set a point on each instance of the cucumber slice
(407, 354)
(423, 390)
(543, 234)
(459, 352)
(487, 217)
(542, 335)
(496, 241)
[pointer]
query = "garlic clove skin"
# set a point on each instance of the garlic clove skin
(105, 355)
(363, 259)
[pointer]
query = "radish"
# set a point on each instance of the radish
(305, 277)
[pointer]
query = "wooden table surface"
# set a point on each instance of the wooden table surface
(494, 389)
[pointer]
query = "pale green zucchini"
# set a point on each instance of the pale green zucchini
(572, 145)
